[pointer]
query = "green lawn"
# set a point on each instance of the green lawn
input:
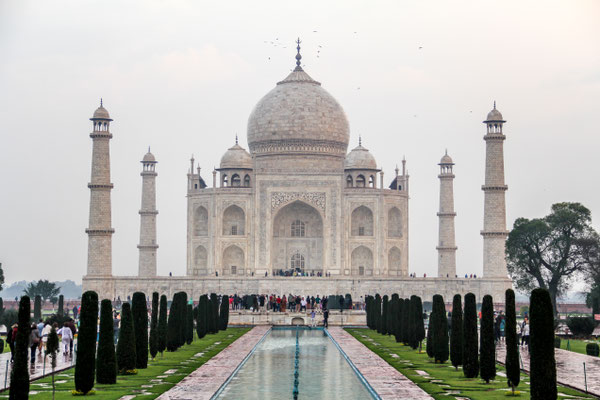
(182, 360)
(576, 345)
(443, 382)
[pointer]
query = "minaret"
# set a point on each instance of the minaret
(446, 245)
(148, 212)
(494, 215)
(100, 230)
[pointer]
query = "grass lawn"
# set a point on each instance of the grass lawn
(444, 382)
(148, 383)
(576, 345)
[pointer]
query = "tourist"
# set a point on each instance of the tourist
(312, 318)
(40, 326)
(325, 318)
(116, 327)
(34, 341)
(303, 304)
(283, 303)
(66, 335)
(525, 334)
(71, 324)
(45, 333)
(11, 336)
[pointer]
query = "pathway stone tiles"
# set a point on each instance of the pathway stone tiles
(204, 382)
(385, 379)
(38, 371)
(569, 368)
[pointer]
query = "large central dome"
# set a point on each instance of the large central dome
(298, 117)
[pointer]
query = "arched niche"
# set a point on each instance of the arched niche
(233, 261)
(201, 221)
(234, 221)
(394, 262)
(361, 261)
(200, 261)
(361, 222)
(394, 222)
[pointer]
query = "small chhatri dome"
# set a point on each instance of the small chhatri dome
(360, 158)
(446, 159)
(236, 157)
(149, 157)
(101, 113)
(494, 115)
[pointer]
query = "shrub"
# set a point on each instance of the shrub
(224, 314)
(106, 361)
(384, 312)
(513, 371)
(153, 341)
(592, 349)
(126, 357)
(456, 334)
(470, 342)
(9, 317)
(37, 308)
(19, 375)
(581, 326)
(541, 346)
(85, 364)
(419, 327)
(173, 324)
(202, 320)
(189, 324)
(487, 346)
(440, 330)
(162, 324)
(139, 311)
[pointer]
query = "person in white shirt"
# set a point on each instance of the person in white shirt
(66, 338)
(45, 333)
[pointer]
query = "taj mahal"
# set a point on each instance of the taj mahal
(297, 212)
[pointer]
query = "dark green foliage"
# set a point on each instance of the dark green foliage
(214, 313)
(85, 367)
(162, 324)
(581, 326)
(417, 332)
(37, 308)
(52, 352)
(189, 325)
(399, 320)
(384, 312)
(592, 349)
(126, 357)
(224, 314)
(487, 346)
(202, 320)
(439, 333)
(513, 371)
(61, 306)
(173, 324)
(541, 346)
(19, 375)
(389, 319)
(456, 333)
(470, 342)
(153, 341)
(557, 342)
(182, 318)
(9, 317)
(405, 326)
(139, 311)
(106, 361)
(1, 307)
(393, 322)
(377, 312)
(429, 346)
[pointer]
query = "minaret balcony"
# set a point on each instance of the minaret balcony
(101, 135)
(494, 233)
(494, 136)
(447, 248)
(494, 187)
(147, 246)
(105, 186)
(100, 232)
(446, 214)
(148, 212)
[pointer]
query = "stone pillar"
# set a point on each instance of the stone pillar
(148, 212)
(446, 244)
(100, 231)
(494, 215)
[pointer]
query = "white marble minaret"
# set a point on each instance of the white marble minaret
(148, 214)
(494, 214)
(447, 244)
(100, 230)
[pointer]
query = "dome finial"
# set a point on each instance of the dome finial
(236, 139)
(298, 56)
(100, 101)
(148, 149)
(359, 140)
(494, 104)
(446, 151)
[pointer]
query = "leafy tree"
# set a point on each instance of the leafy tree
(487, 356)
(541, 346)
(126, 357)
(581, 326)
(173, 324)
(416, 317)
(439, 332)
(85, 364)
(592, 299)
(456, 333)
(37, 308)
(162, 324)
(384, 312)
(202, 320)
(513, 371)
(214, 323)
(106, 361)
(406, 323)
(548, 252)
(139, 311)
(189, 325)
(224, 313)
(153, 342)
(19, 374)
(61, 306)
(52, 352)
(44, 288)
(470, 342)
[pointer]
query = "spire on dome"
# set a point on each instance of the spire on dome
(298, 56)
(236, 139)
(100, 101)
(359, 140)
(494, 104)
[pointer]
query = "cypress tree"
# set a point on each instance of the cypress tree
(214, 313)
(173, 324)
(61, 305)
(429, 344)
(2, 309)
(411, 324)
(513, 371)
(541, 346)
(393, 314)
(456, 333)
(126, 357)
(405, 322)
(384, 312)
(487, 355)
(106, 362)
(139, 310)
(400, 320)
(470, 342)
(182, 318)
(224, 314)
(189, 326)
(153, 341)
(209, 317)
(37, 308)
(377, 313)
(419, 333)
(162, 324)
(85, 364)
(19, 375)
(202, 320)
(440, 330)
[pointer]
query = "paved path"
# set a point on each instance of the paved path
(204, 382)
(39, 369)
(569, 368)
(385, 379)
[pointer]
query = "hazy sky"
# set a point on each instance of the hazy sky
(183, 77)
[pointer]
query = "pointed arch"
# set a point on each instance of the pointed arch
(236, 181)
(360, 181)
(394, 262)
(201, 221)
(361, 261)
(200, 261)
(247, 180)
(233, 261)
(361, 222)
(349, 181)
(394, 222)
(234, 221)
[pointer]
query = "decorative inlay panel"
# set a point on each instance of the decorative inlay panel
(279, 199)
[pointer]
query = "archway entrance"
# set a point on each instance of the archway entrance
(297, 245)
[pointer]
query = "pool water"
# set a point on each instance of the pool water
(323, 372)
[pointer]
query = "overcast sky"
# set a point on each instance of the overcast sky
(183, 77)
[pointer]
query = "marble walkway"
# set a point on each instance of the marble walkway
(385, 379)
(204, 382)
(38, 370)
(569, 368)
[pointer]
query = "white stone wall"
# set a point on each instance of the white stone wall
(148, 245)
(446, 238)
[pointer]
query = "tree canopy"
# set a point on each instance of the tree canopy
(45, 289)
(549, 252)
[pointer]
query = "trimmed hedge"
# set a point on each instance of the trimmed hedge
(418, 334)
(384, 315)
(106, 361)
(61, 307)
(139, 311)
(224, 313)
(405, 326)
(541, 346)
(126, 345)
(85, 365)
(214, 313)
(173, 324)
(439, 333)
(189, 324)
(456, 333)
(202, 320)
(592, 349)
(153, 341)
(37, 308)
(470, 342)
(513, 370)
(581, 326)
(487, 345)
(162, 324)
